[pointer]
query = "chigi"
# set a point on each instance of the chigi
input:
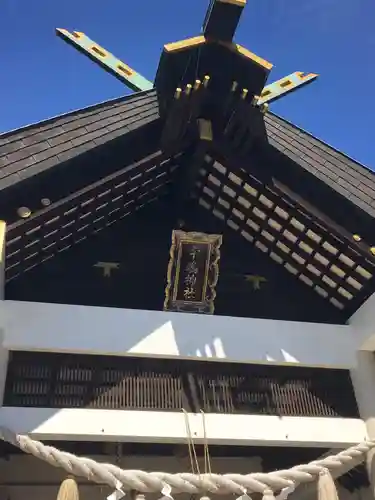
(126, 293)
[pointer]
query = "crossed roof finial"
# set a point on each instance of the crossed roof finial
(219, 27)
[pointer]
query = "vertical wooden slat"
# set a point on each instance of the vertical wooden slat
(78, 381)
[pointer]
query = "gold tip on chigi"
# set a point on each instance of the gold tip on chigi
(356, 237)
(372, 250)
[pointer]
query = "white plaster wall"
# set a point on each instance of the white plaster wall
(98, 330)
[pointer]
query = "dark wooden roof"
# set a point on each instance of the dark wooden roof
(56, 157)
(36, 148)
(139, 242)
(344, 175)
(291, 196)
(33, 149)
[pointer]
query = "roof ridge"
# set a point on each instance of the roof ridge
(72, 113)
(297, 127)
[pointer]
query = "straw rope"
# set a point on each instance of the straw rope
(144, 482)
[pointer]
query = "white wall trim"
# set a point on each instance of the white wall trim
(170, 427)
(99, 330)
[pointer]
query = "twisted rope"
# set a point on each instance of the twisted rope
(146, 482)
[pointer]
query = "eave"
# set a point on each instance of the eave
(54, 158)
(56, 228)
(317, 252)
(343, 177)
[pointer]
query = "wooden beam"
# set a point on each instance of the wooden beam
(63, 328)
(186, 179)
(183, 111)
(105, 59)
(244, 52)
(222, 18)
(286, 85)
(130, 426)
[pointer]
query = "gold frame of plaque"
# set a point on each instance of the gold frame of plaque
(193, 272)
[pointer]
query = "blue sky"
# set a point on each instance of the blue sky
(41, 76)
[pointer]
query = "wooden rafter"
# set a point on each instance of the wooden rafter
(59, 226)
(303, 245)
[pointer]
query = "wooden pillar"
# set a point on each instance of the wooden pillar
(363, 378)
(2, 258)
(3, 350)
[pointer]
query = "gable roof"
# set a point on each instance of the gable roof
(105, 162)
(33, 149)
(347, 177)
(55, 158)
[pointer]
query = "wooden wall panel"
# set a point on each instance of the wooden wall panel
(140, 245)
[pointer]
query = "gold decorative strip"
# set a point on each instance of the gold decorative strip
(238, 3)
(185, 44)
(193, 272)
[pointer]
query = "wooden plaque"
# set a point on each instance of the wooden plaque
(193, 272)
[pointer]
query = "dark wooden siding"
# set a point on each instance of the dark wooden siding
(110, 382)
(140, 244)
